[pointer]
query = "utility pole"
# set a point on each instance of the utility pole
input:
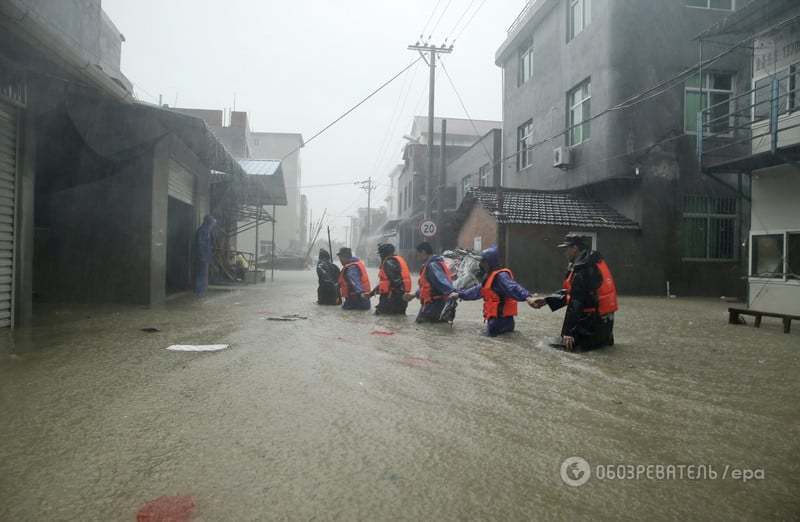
(272, 264)
(368, 186)
(441, 185)
(431, 60)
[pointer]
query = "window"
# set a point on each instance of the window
(579, 100)
(793, 255)
(727, 5)
(525, 63)
(485, 176)
(579, 16)
(466, 184)
(524, 141)
(717, 93)
(708, 231)
(787, 88)
(767, 258)
(776, 256)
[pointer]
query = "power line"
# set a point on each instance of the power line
(469, 21)
(425, 27)
(466, 112)
(354, 107)
(461, 18)
(439, 21)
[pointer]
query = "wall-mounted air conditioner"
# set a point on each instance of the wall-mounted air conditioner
(561, 157)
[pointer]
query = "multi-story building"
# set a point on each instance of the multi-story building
(410, 188)
(760, 139)
(244, 144)
(599, 102)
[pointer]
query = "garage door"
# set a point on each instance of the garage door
(8, 190)
(181, 183)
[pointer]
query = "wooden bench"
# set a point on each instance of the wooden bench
(734, 314)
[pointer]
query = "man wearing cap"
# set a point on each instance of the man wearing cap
(436, 291)
(328, 275)
(394, 282)
(590, 295)
(500, 293)
(353, 281)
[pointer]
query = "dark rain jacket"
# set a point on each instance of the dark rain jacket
(328, 276)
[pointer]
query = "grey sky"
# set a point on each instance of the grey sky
(296, 65)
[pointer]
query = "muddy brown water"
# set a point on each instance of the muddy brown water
(317, 419)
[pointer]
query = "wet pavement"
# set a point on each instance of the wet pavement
(348, 416)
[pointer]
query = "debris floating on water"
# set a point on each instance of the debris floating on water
(197, 347)
(381, 332)
(151, 329)
(290, 317)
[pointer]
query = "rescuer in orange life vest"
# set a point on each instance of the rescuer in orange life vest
(353, 281)
(394, 282)
(436, 291)
(500, 293)
(590, 295)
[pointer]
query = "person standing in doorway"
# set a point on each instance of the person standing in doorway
(204, 253)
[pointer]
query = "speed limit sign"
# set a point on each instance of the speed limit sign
(428, 228)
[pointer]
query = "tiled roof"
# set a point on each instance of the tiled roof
(550, 208)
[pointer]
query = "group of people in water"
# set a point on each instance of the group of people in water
(588, 291)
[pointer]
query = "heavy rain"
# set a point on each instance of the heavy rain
(444, 260)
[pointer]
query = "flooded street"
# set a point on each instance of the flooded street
(322, 418)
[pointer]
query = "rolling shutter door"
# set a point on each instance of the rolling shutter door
(8, 191)
(181, 183)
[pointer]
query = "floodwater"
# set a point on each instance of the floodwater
(320, 419)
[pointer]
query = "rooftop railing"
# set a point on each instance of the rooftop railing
(522, 15)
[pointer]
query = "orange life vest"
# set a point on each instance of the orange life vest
(606, 294)
(344, 287)
(495, 305)
(385, 285)
(426, 289)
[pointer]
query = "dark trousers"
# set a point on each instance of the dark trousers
(391, 304)
(499, 326)
(201, 278)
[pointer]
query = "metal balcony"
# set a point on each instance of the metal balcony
(756, 129)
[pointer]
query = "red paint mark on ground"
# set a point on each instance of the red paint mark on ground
(167, 509)
(381, 332)
(417, 362)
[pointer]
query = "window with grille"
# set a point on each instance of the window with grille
(709, 228)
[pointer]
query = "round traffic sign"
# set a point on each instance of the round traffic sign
(428, 228)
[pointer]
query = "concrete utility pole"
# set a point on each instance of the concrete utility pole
(272, 264)
(431, 60)
(367, 186)
(441, 185)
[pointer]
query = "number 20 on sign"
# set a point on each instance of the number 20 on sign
(428, 228)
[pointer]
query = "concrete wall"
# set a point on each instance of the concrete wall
(774, 211)
(485, 152)
(288, 229)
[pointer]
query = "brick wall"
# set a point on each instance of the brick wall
(479, 223)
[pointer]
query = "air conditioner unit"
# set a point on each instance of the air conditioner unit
(561, 157)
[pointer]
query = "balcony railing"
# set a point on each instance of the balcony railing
(765, 119)
(522, 15)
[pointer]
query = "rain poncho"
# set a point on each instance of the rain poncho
(328, 276)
